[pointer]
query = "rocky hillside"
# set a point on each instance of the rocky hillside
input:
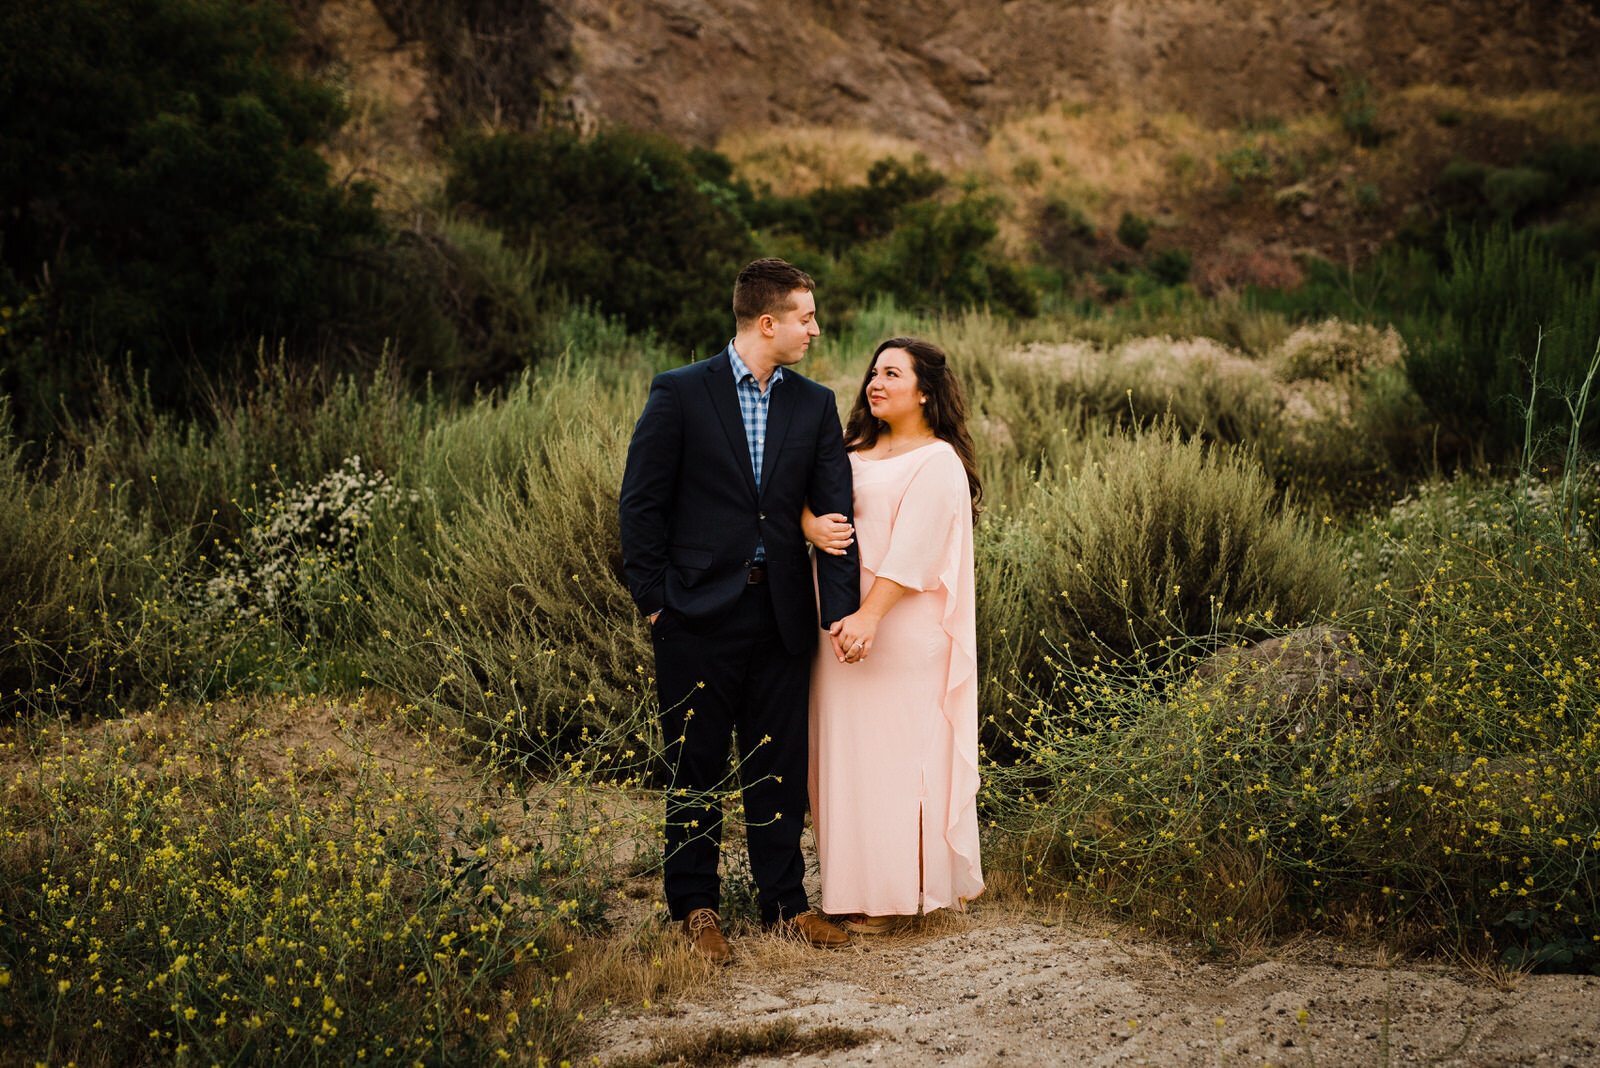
(1249, 132)
(939, 73)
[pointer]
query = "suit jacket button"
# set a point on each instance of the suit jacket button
(761, 515)
(747, 563)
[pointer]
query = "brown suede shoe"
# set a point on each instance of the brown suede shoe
(811, 928)
(703, 928)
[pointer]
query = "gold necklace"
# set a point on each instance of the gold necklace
(915, 443)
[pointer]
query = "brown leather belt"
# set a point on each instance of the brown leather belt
(758, 575)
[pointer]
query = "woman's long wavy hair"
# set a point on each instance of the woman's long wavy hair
(945, 410)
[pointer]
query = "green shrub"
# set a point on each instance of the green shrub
(110, 603)
(1028, 416)
(1065, 235)
(1027, 171)
(1474, 330)
(1133, 230)
(297, 558)
(200, 481)
(1244, 324)
(940, 257)
(1401, 547)
(835, 219)
(622, 219)
(459, 306)
(1511, 191)
(1550, 179)
(1326, 410)
(1574, 166)
(1156, 539)
(169, 198)
(1038, 406)
(1113, 285)
(1444, 788)
(1351, 430)
(602, 345)
(1464, 173)
(1332, 349)
(1247, 164)
(1358, 113)
(1171, 266)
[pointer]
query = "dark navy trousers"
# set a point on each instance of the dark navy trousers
(715, 679)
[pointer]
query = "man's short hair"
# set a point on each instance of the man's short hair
(764, 288)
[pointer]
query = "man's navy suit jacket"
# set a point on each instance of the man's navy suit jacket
(691, 514)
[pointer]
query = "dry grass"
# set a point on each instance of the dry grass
(635, 966)
(1487, 967)
(793, 161)
(1103, 159)
(1553, 113)
(645, 959)
(726, 1046)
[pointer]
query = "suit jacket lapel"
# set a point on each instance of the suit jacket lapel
(725, 402)
(780, 410)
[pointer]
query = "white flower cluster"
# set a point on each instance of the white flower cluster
(292, 559)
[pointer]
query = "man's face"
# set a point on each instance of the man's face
(794, 329)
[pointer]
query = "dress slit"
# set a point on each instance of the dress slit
(922, 838)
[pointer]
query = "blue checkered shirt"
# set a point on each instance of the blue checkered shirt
(753, 407)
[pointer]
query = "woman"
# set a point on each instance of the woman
(894, 698)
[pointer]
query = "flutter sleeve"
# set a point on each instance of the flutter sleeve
(926, 532)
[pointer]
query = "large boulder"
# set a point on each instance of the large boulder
(1297, 682)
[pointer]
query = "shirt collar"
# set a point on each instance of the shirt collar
(741, 370)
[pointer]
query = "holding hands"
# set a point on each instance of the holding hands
(852, 636)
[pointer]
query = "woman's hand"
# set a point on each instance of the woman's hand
(852, 636)
(831, 533)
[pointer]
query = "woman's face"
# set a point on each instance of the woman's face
(892, 391)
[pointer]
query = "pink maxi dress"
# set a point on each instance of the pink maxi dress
(894, 738)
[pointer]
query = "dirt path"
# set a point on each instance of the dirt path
(993, 988)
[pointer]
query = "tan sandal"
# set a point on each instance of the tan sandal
(874, 925)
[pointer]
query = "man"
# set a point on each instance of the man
(727, 453)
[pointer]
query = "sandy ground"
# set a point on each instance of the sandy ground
(996, 987)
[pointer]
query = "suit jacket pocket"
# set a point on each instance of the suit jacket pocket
(690, 563)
